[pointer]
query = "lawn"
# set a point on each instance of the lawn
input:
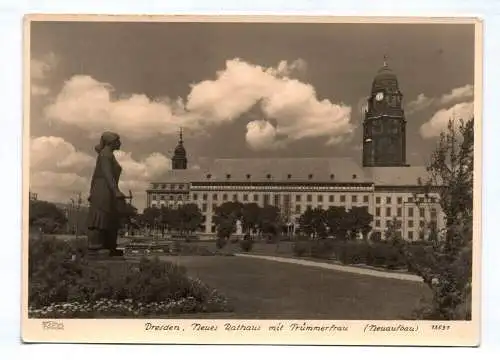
(265, 289)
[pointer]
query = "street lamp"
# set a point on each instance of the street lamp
(76, 204)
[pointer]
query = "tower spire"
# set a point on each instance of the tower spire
(385, 60)
(180, 136)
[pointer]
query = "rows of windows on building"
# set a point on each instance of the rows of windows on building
(415, 212)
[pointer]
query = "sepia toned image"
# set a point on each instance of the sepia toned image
(252, 180)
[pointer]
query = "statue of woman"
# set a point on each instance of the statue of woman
(105, 198)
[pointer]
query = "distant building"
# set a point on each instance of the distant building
(383, 182)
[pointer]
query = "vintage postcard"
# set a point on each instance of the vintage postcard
(252, 180)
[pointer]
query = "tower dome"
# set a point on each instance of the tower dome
(385, 79)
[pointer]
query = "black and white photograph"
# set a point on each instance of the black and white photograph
(215, 177)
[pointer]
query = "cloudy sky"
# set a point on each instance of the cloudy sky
(238, 90)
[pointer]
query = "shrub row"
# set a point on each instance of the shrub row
(351, 253)
(60, 274)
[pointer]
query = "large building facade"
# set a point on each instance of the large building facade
(383, 182)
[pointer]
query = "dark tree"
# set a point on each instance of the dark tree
(250, 217)
(360, 221)
(225, 218)
(338, 222)
(313, 222)
(270, 220)
(45, 215)
(189, 218)
(449, 273)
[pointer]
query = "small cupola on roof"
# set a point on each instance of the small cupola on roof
(179, 160)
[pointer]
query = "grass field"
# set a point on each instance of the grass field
(265, 289)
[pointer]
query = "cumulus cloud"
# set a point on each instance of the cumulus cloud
(59, 171)
(420, 103)
(55, 154)
(57, 186)
(457, 95)
(439, 121)
(261, 135)
(293, 105)
(89, 105)
(40, 69)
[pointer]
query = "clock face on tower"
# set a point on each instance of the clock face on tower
(379, 96)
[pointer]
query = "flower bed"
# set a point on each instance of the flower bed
(64, 283)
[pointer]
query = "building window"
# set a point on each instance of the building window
(205, 197)
(377, 223)
(155, 186)
(163, 186)
(235, 197)
(297, 198)
(410, 223)
(224, 197)
(354, 176)
(245, 197)
(377, 211)
(410, 212)
(181, 186)
(410, 235)
(400, 200)
(162, 197)
(388, 212)
(342, 198)
(309, 198)
(422, 223)
(400, 211)
(366, 199)
(310, 176)
(331, 198)
(212, 228)
(297, 209)
(410, 199)
(289, 176)
(204, 207)
(388, 200)
(377, 200)
(332, 176)
(268, 176)
(214, 206)
(266, 199)
(214, 197)
(228, 176)
(309, 207)
(255, 197)
(153, 205)
(195, 197)
(154, 197)
(276, 200)
(422, 212)
(432, 199)
(320, 198)
(433, 214)
(179, 197)
(354, 198)
(248, 176)
(209, 176)
(172, 186)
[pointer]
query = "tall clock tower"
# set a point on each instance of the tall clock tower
(384, 126)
